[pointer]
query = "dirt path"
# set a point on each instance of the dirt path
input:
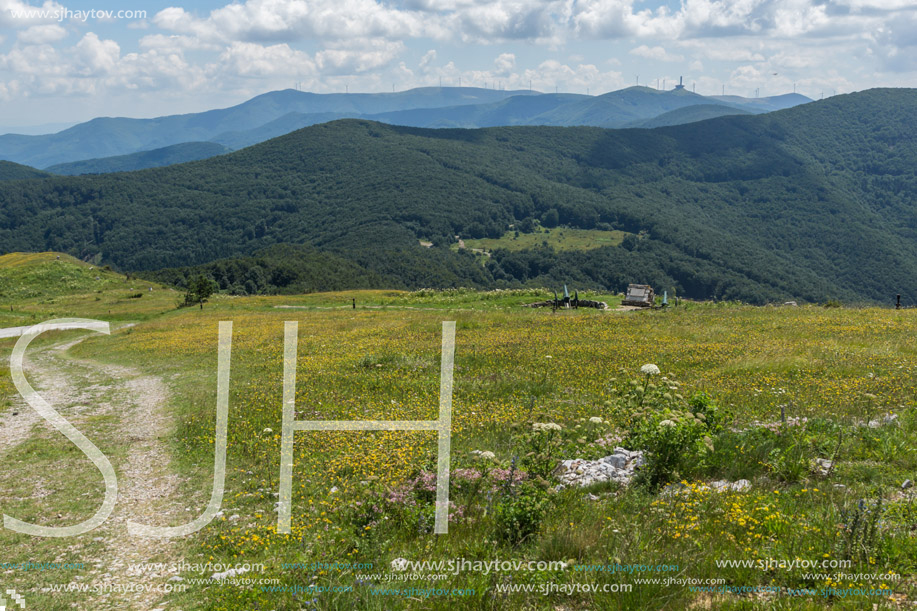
(17, 422)
(147, 489)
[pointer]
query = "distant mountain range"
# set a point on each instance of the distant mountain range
(815, 202)
(280, 112)
(35, 130)
(689, 114)
(107, 136)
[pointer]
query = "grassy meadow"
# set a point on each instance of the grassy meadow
(729, 375)
(559, 238)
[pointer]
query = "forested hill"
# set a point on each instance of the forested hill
(15, 171)
(169, 155)
(813, 202)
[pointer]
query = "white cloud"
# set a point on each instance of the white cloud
(16, 14)
(96, 56)
(347, 60)
(428, 58)
(722, 17)
(504, 63)
(32, 60)
(655, 53)
(292, 20)
(95, 66)
(504, 20)
(877, 5)
(249, 46)
(727, 50)
(249, 59)
(41, 34)
(175, 42)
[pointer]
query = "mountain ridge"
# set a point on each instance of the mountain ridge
(266, 115)
(814, 202)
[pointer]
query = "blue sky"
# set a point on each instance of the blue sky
(185, 56)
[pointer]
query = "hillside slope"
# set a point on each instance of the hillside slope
(41, 286)
(15, 171)
(169, 155)
(813, 202)
(689, 114)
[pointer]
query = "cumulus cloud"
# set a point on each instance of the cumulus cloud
(253, 60)
(176, 41)
(41, 34)
(610, 19)
(565, 78)
(96, 56)
(95, 66)
(504, 20)
(428, 58)
(16, 14)
(876, 5)
(348, 59)
(292, 20)
(504, 63)
(253, 45)
(727, 50)
(655, 53)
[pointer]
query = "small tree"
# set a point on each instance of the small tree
(551, 218)
(199, 290)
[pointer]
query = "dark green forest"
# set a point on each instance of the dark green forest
(15, 171)
(815, 202)
(169, 155)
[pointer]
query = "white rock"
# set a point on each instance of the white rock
(721, 485)
(618, 461)
(228, 573)
(618, 467)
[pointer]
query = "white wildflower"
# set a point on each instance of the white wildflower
(596, 420)
(649, 369)
(484, 455)
(546, 426)
(667, 423)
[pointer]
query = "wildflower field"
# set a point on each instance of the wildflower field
(811, 408)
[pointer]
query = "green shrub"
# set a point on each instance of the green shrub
(520, 512)
(675, 434)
